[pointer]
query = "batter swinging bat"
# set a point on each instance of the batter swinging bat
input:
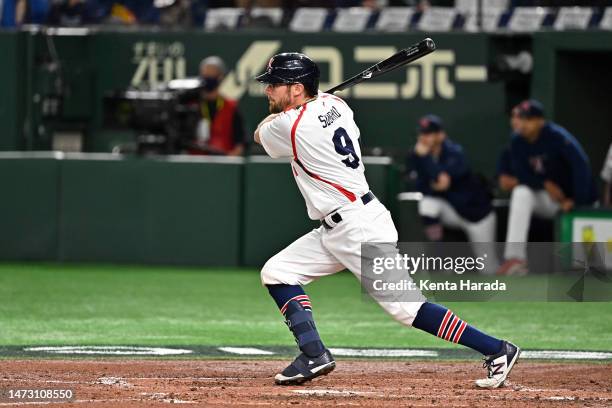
(395, 61)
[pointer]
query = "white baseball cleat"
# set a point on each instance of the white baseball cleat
(499, 366)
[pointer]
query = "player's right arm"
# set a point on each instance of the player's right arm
(274, 134)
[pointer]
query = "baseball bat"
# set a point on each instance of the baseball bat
(400, 58)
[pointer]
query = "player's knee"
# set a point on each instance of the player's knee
(273, 273)
(404, 312)
(430, 207)
(266, 274)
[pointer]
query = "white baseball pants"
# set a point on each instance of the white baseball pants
(524, 202)
(481, 233)
(323, 252)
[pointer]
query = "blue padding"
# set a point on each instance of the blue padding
(300, 317)
(308, 337)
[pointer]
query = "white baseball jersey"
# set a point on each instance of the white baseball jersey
(322, 139)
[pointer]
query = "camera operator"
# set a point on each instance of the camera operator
(220, 129)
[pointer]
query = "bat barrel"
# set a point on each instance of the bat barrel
(395, 61)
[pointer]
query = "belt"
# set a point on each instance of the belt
(335, 217)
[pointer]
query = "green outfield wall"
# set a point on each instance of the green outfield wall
(150, 211)
(29, 208)
(171, 210)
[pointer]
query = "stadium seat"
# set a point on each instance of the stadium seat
(491, 13)
(308, 19)
(437, 19)
(226, 18)
(273, 14)
(572, 18)
(394, 19)
(606, 20)
(352, 19)
(527, 19)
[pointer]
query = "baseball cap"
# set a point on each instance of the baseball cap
(531, 108)
(429, 124)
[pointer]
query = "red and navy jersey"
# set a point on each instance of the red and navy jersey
(467, 194)
(557, 156)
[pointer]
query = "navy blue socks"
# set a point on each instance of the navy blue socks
(441, 322)
(295, 306)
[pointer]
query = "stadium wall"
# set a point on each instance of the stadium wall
(172, 210)
(451, 82)
(456, 82)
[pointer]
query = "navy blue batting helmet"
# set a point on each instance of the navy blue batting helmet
(292, 68)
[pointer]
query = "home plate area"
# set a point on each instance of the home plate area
(121, 382)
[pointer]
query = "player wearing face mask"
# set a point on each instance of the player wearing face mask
(221, 126)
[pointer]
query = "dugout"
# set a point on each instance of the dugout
(572, 76)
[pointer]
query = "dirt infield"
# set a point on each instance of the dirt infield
(146, 383)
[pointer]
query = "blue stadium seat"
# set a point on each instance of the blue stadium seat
(394, 19)
(573, 18)
(438, 19)
(309, 19)
(223, 18)
(352, 19)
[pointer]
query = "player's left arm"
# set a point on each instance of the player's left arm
(274, 134)
(256, 135)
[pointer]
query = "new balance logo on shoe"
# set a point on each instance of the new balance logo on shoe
(499, 366)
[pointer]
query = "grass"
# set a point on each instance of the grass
(114, 305)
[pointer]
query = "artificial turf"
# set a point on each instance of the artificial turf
(54, 304)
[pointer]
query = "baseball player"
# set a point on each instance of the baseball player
(551, 174)
(453, 195)
(317, 131)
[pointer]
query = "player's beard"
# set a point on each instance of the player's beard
(280, 104)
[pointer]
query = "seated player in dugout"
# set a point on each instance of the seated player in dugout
(220, 129)
(551, 174)
(453, 196)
